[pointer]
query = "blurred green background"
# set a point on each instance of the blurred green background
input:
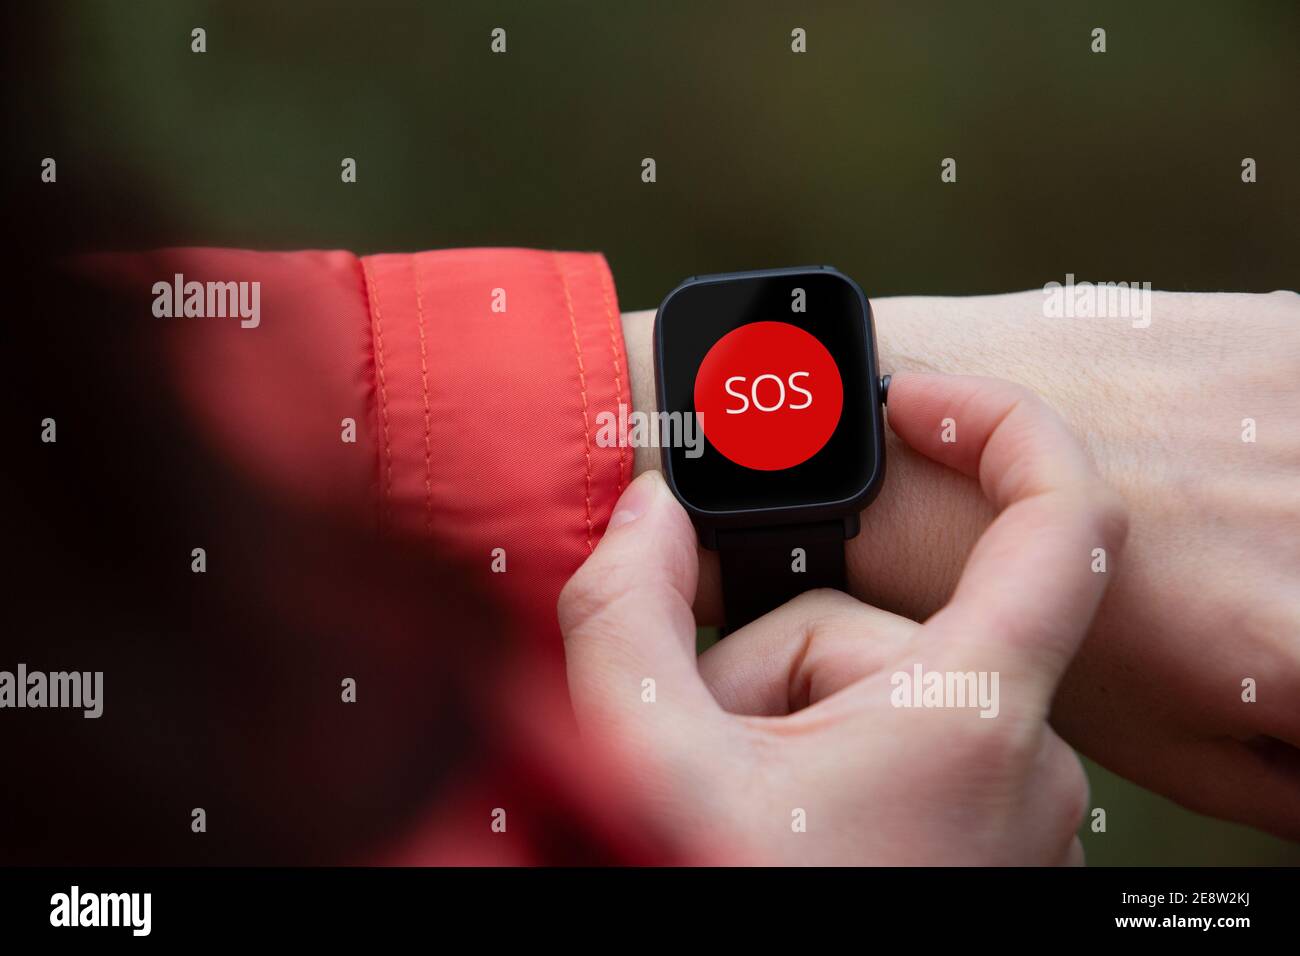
(1122, 165)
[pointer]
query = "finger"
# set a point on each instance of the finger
(1262, 785)
(1030, 588)
(1074, 855)
(1255, 781)
(629, 635)
(800, 653)
(1064, 789)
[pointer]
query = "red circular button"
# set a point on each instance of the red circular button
(769, 395)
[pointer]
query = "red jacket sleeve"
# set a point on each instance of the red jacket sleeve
(490, 369)
(453, 397)
(474, 377)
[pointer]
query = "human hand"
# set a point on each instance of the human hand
(792, 719)
(1209, 594)
(1210, 590)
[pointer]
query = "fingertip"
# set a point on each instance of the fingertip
(648, 506)
(648, 549)
(637, 498)
(1112, 517)
(950, 418)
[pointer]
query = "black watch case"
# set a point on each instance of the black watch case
(840, 479)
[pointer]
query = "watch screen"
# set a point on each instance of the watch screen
(773, 377)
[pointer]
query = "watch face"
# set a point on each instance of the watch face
(774, 378)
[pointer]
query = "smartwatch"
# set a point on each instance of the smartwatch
(770, 424)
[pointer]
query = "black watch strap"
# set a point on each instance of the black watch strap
(761, 568)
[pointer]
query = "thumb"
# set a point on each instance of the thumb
(802, 652)
(629, 633)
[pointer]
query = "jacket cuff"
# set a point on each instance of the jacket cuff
(491, 368)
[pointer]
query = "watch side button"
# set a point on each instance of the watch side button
(884, 388)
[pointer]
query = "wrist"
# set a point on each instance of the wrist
(914, 538)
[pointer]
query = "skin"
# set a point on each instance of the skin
(792, 719)
(1208, 595)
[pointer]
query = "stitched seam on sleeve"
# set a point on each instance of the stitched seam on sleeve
(383, 384)
(424, 388)
(613, 354)
(582, 387)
